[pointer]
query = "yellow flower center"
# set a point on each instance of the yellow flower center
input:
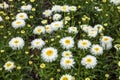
(16, 41)
(39, 30)
(18, 22)
(106, 39)
(37, 43)
(67, 61)
(46, 12)
(67, 41)
(73, 28)
(84, 43)
(64, 8)
(56, 25)
(8, 65)
(89, 60)
(25, 7)
(96, 49)
(47, 28)
(65, 78)
(67, 54)
(21, 16)
(49, 53)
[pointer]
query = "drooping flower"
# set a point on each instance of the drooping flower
(99, 28)
(106, 42)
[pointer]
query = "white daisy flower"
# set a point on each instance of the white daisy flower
(56, 25)
(106, 42)
(1, 19)
(47, 13)
(67, 42)
(86, 28)
(16, 43)
(4, 5)
(66, 77)
(116, 2)
(67, 54)
(9, 65)
(106, 39)
(48, 29)
(106, 46)
(72, 30)
(65, 8)
(73, 8)
(18, 24)
(39, 30)
(99, 28)
(37, 43)
(22, 16)
(92, 33)
(84, 44)
(56, 8)
(89, 61)
(49, 54)
(26, 7)
(56, 17)
(96, 49)
(67, 63)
